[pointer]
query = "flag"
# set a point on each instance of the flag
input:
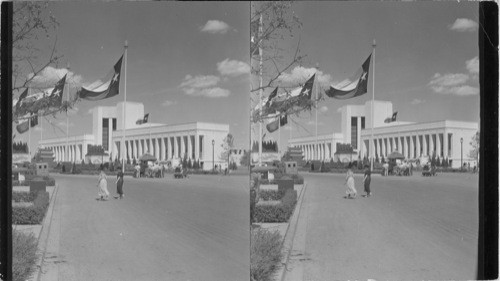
(273, 125)
(355, 86)
(283, 120)
(271, 97)
(56, 94)
(391, 119)
(104, 90)
(34, 121)
(307, 88)
(23, 127)
(21, 97)
(143, 120)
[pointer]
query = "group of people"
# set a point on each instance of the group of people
(102, 184)
(351, 191)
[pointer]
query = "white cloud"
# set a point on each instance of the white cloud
(463, 25)
(473, 65)
(215, 92)
(215, 26)
(50, 75)
(199, 81)
(323, 109)
(452, 84)
(233, 68)
(168, 103)
(203, 86)
(417, 101)
(300, 74)
(73, 111)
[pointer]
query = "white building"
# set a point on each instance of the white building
(197, 140)
(445, 139)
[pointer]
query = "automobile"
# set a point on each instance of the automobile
(428, 171)
(180, 173)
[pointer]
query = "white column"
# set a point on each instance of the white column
(196, 146)
(169, 148)
(412, 148)
(445, 144)
(139, 148)
(190, 147)
(156, 148)
(424, 145)
(438, 146)
(417, 144)
(431, 145)
(384, 148)
(162, 148)
(176, 149)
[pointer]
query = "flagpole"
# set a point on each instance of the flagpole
(279, 134)
(316, 105)
(67, 120)
(29, 132)
(122, 146)
(372, 147)
(260, 93)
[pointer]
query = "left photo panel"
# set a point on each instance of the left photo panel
(130, 130)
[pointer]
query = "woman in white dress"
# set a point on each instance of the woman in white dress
(349, 182)
(102, 184)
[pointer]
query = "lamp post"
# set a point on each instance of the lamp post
(461, 153)
(213, 163)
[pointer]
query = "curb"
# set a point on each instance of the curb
(289, 236)
(44, 236)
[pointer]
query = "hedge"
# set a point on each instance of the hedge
(277, 213)
(23, 196)
(31, 214)
(265, 254)
(49, 181)
(271, 194)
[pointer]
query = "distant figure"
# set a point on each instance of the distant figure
(119, 184)
(349, 182)
(312, 166)
(63, 169)
(386, 169)
(366, 181)
(102, 183)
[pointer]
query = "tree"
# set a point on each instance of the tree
(245, 159)
(474, 152)
(227, 145)
(33, 27)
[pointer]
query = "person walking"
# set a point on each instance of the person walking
(119, 185)
(102, 184)
(349, 182)
(367, 180)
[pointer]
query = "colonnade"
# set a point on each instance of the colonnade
(411, 146)
(320, 151)
(161, 147)
(75, 153)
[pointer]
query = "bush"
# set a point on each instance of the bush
(23, 196)
(265, 254)
(277, 213)
(24, 256)
(31, 214)
(271, 194)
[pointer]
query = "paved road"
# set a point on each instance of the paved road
(413, 228)
(164, 229)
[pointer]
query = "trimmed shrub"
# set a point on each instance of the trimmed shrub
(265, 254)
(31, 214)
(23, 196)
(24, 256)
(277, 213)
(271, 194)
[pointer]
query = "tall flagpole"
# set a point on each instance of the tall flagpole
(279, 134)
(67, 120)
(260, 93)
(29, 132)
(316, 105)
(372, 146)
(122, 146)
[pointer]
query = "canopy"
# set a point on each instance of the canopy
(147, 157)
(395, 155)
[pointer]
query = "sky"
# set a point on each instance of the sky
(189, 61)
(186, 62)
(426, 58)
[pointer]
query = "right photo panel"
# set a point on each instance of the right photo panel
(364, 140)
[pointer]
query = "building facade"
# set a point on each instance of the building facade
(196, 141)
(445, 139)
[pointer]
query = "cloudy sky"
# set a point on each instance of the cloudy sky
(426, 59)
(187, 62)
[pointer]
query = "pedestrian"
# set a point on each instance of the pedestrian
(349, 182)
(386, 169)
(102, 184)
(119, 185)
(366, 181)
